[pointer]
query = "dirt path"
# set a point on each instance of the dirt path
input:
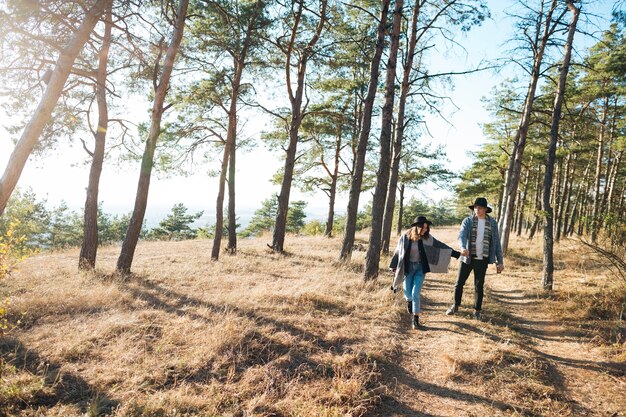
(517, 361)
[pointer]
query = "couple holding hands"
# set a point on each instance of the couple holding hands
(418, 253)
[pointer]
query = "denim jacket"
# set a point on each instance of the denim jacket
(465, 239)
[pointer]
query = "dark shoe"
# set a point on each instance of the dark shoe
(409, 306)
(453, 309)
(477, 315)
(416, 322)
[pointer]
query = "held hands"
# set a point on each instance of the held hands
(464, 252)
(499, 268)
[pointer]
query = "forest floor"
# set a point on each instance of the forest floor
(298, 334)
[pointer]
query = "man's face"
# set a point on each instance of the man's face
(480, 211)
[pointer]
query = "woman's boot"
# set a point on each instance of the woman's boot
(416, 322)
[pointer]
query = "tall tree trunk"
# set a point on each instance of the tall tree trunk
(548, 249)
(232, 215)
(516, 217)
(366, 123)
(30, 136)
(564, 197)
(535, 224)
(219, 205)
(399, 133)
(230, 149)
(297, 113)
(579, 201)
(332, 192)
(239, 63)
(89, 247)
(612, 180)
(125, 260)
(610, 159)
(400, 210)
(372, 257)
(522, 131)
(522, 204)
(595, 221)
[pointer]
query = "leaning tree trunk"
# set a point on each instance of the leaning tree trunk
(548, 246)
(30, 136)
(399, 136)
(372, 257)
(366, 123)
(297, 113)
(89, 248)
(522, 131)
(125, 260)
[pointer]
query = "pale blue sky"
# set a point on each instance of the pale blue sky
(55, 179)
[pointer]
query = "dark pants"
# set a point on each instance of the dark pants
(480, 269)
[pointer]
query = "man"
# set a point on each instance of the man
(480, 246)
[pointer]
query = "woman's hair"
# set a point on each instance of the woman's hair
(414, 232)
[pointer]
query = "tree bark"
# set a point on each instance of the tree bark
(372, 257)
(332, 192)
(548, 247)
(89, 247)
(610, 159)
(581, 193)
(297, 113)
(564, 197)
(399, 133)
(400, 210)
(522, 131)
(219, 206)
(535, 225)
(230, 149)
(30, 136)
(366, 123)
(125, 260)
(612, 180)
(598, 176)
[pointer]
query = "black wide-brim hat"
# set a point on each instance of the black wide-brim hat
(480, 202)
(421, 220)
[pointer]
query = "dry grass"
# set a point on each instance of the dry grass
(264, 334)
(256, 334)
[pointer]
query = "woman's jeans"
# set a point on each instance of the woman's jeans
(480, 268)
(413, 280)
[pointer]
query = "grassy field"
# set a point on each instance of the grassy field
(263, 334)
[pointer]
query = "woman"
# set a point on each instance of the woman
(416, 254)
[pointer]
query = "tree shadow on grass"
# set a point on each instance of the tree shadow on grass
(177, 303)
(397, 375)
(61, 387)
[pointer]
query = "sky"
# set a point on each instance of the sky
(57, 178)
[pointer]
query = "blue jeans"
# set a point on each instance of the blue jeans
(413, 280)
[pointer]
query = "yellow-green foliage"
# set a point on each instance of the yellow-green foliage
(11, 252)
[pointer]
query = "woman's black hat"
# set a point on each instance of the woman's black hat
(480, 202)
(421, 220)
